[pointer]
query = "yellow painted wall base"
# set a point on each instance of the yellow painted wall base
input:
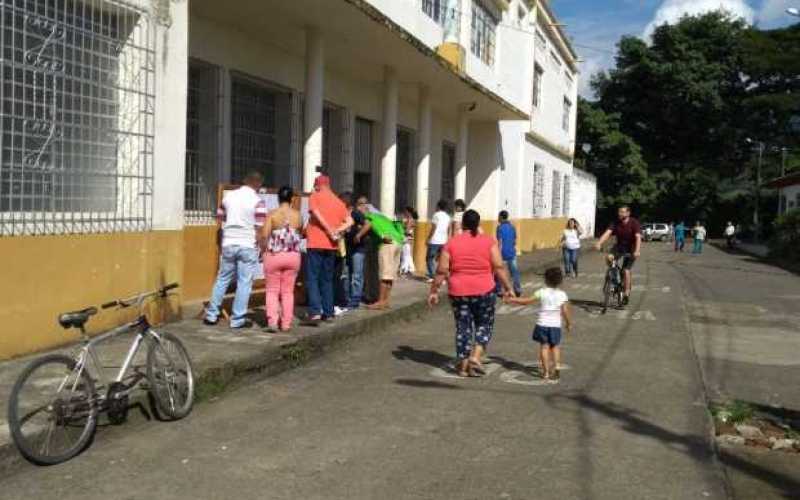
(453, 53)
(46, 275)
(201, 258)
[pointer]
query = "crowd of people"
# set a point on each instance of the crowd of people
(332, 245)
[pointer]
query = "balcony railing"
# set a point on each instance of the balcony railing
(446, 15)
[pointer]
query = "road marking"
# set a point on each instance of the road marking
(635, 288)
(625, 314)
(512, 377)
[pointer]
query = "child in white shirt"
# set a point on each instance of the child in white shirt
(553, 311)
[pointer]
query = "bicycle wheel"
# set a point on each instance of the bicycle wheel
(607, 290)
(52, 413)
(169, 371)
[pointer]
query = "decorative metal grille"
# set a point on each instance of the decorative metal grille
(202, 129)
(446, 14)
(404, 183)
(556, 205)
(567, 194)
(362, 160)
(76, 123)
(538, 191)
(567, 115)
(484, 33)
(538, 75)
(448, 172)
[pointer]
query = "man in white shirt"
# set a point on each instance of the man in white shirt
(699, 237)
(242, 212)
(730, 233)
(437, 237)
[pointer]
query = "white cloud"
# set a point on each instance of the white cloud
(774, 10)
(671, 11)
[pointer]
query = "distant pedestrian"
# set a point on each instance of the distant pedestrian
(554, 311)
(680, 236)
(469, 263)
(507, 239)
(341, 283)
(671, 233)
(730, 234)
(459, 206)
(438, 236)
(328, 220)
(699, 236)
(242, 212)
(409, 219)
(281, 234)
(571, 245)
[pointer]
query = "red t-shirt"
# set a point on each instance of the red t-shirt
(626, 235)
(471, 270)
(333, 210)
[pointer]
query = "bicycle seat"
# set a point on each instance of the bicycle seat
(76, 319)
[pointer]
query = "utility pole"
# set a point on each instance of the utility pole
(756, 225)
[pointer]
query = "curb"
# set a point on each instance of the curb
(215, 380)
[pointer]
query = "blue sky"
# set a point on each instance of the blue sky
(596, 25)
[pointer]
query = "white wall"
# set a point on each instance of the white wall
(792, 194)
(583, 201)
(170, 119)
(408, 14)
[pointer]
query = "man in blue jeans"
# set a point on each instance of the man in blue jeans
(328, 221)
(440, 233)
(507, 239)
(357, 244)
(241, 213)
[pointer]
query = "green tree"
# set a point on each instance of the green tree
(614, 158)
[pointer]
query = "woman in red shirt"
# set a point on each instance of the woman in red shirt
(470, 261)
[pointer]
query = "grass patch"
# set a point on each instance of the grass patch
(732, 412)
(296, 354)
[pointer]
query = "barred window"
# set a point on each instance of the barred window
(484, 33)
(444, 12)
(538, 76)
(202, 127)
(76, 133)
(556, 205)
(538, 191)
(261, 131)
(567, 115)
(448, 184)
(567, 194)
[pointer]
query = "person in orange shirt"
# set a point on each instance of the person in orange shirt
(328, 221)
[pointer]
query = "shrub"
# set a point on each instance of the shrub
(785, 241)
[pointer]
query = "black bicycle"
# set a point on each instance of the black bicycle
(614, 286)
(55, 403)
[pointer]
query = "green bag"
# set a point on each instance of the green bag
(385, 227)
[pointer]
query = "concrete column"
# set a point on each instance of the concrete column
(461, 156)
(424, 154)
(389, 141)
(315, 84)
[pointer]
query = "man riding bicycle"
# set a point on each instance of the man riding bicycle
(628, 248)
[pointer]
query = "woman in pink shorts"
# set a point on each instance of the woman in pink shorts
(281, 234)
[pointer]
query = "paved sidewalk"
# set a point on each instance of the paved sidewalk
(222, 356)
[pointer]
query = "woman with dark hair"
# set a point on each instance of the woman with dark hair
(281, 237)
(470, 261)
(571, 244)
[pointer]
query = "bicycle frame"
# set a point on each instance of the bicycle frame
(88, 354)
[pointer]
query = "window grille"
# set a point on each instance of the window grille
(261, 132)
(556, 205)
(567, 194)
(362, 159)
(202, 127)
(484, 33)
(448, 185)
(76, 127)
(567, 115)
(538, 191)
(404, 183)
(445, 13)
(538, 75)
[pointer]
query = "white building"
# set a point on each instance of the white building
(122, 117)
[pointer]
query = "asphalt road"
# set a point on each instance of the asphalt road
(382, 417)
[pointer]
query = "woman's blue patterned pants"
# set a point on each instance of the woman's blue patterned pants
(474, 317)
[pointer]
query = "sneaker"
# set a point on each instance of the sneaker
(208, 322)
(244, 326)
(338, 311)
(311, 321)
(429, 280)
(625, 300)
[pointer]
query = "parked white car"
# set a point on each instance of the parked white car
(656, 231)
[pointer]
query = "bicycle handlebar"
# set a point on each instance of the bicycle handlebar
(138, 299)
